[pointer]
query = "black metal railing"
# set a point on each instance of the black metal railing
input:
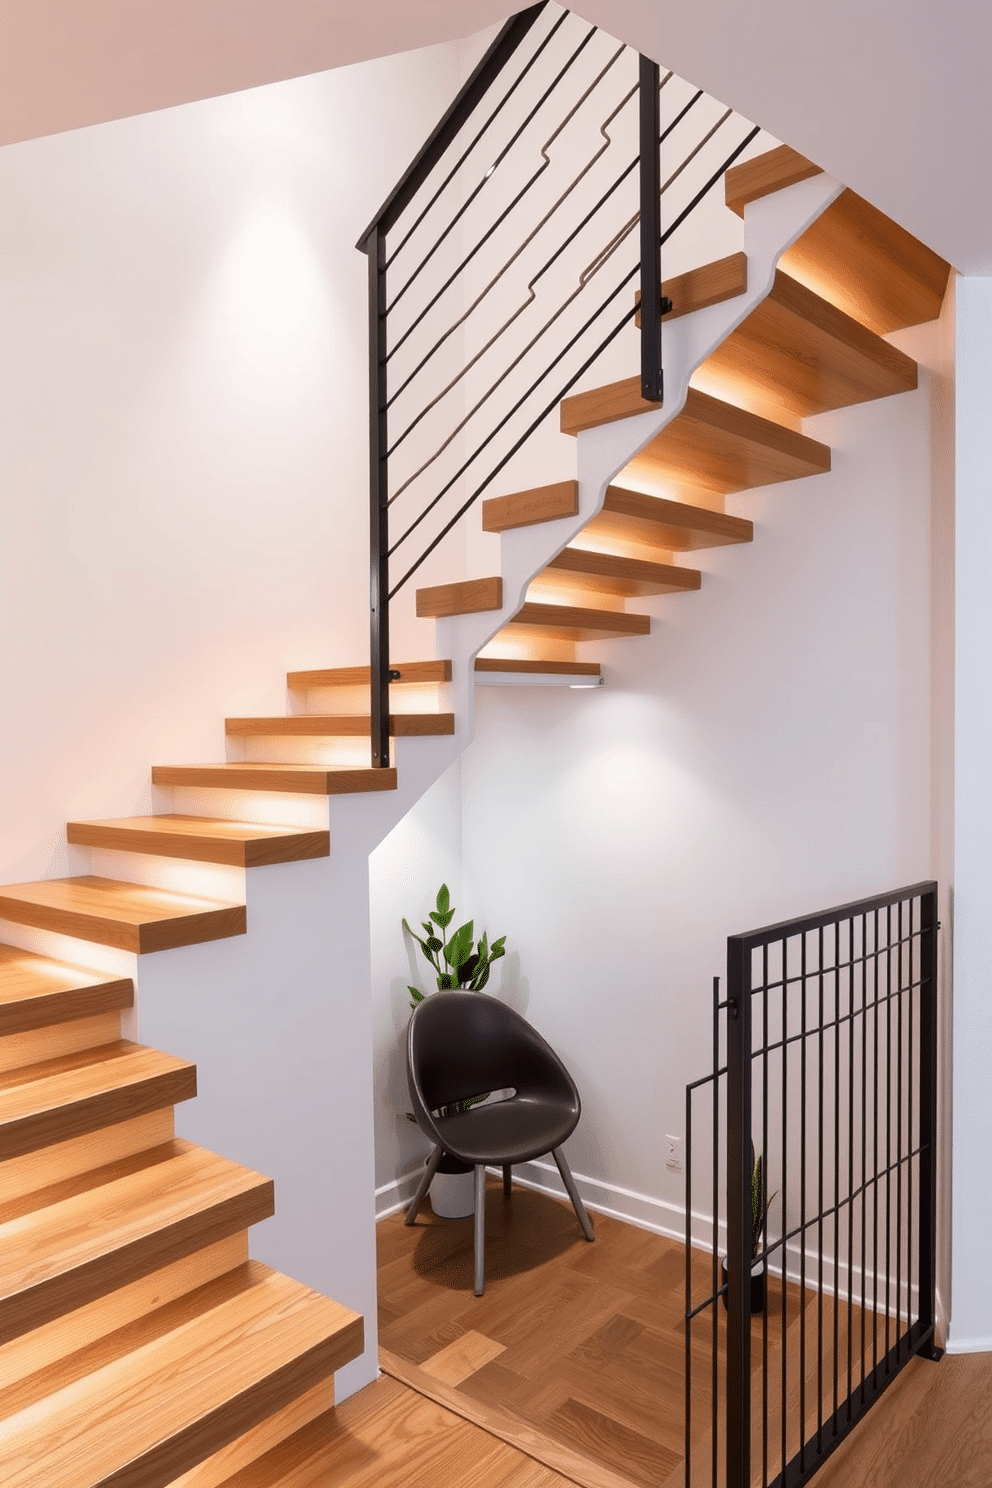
(504, 264)
(829, 1077)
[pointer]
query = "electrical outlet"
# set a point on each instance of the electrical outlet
(673, 1153)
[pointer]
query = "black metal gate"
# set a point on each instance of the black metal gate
(823, 1085)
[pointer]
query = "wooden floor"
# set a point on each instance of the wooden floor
(572, 1364)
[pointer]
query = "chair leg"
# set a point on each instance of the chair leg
(423, 1185)
(507, 1180)
(573, 1193)
(480, 1228)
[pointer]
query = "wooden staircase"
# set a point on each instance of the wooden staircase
(139, 1344)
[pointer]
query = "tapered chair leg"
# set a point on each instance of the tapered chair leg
(507, 1180)
(480, 1228)
(423, 1185)
(573, 1193)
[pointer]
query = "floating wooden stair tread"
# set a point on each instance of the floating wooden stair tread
(308, 780)
(527, 508)
(466, 598)
(674, 526)
(717, 447)
(808, 355)
(852, 255)
(574, 623)
(154, 1414)
(410, 672)
(79, 1093)
(527, 667)
(121, 1227)
(340, 725)
(711, 284)
(580, 568)
(203, 839)
(35, 992)
(131, 917)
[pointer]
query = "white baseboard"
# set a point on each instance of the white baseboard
(392, 1197)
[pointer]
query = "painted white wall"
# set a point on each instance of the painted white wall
(971, 1210)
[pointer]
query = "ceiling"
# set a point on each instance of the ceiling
(889, 95)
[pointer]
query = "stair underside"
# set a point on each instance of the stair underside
(579, 568)
(182, 1396)
(340, 725)
(308, 780)
(671, 526)
(411, 672)
(853, 255)
(808, 356)
(119, 1224)
(84, 1092)
(574, 623)
(204, 839)
(35, 992)
(131, 917)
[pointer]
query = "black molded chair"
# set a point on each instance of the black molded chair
(466, 1044)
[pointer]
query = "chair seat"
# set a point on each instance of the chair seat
(508, 1131)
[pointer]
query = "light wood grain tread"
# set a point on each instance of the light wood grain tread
(628, 577)
(78, 1093)
(36, 992)
(527, 667)
(339, 726)
(527, 508)
(154, 1414)
(576, 622)
(132, 917)
(307, 780)
(808, 356)
(204, 839)
(120, 1225)
(410, 673)
(660, 523)
(773, 171)
(468, 597)
(710, 284)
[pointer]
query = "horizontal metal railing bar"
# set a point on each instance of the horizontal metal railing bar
(792, 929)
(628, 316)
(505, 268)
(707, 1079)
(621, 178)
(479, 135)
(489, 176)
(820, 1028)
(834, 968)
(828, 1212)
(451, 122)
(691, 1316)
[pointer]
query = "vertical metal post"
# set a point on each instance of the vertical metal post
(375, 247)
(738, 1213)
(651, 375)
(928, 1110)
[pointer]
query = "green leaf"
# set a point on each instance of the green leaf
(481, 978)
(434, 944)
(497, 949)
(416, 994)
(443, 899)
(444, 920)
(459, 947)
(446, 982)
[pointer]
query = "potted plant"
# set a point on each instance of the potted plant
(458, 963)
(760, 1206)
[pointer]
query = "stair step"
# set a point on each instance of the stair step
(36, 992)
(121, 1226)
(307, 780)
(339, 725)
(624, 576)
(528, 667)
(154, 1414)
(852, 255)
(358, 676)
(204, 839)
(808, 355)
(717, 447)
(711, 444)
(526, 508)
(466, 598)
(131, 917)
(79, 1093)
(674, 526)
(710, 284)
(574, 623)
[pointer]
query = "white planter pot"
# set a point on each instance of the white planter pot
(453, 1195)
